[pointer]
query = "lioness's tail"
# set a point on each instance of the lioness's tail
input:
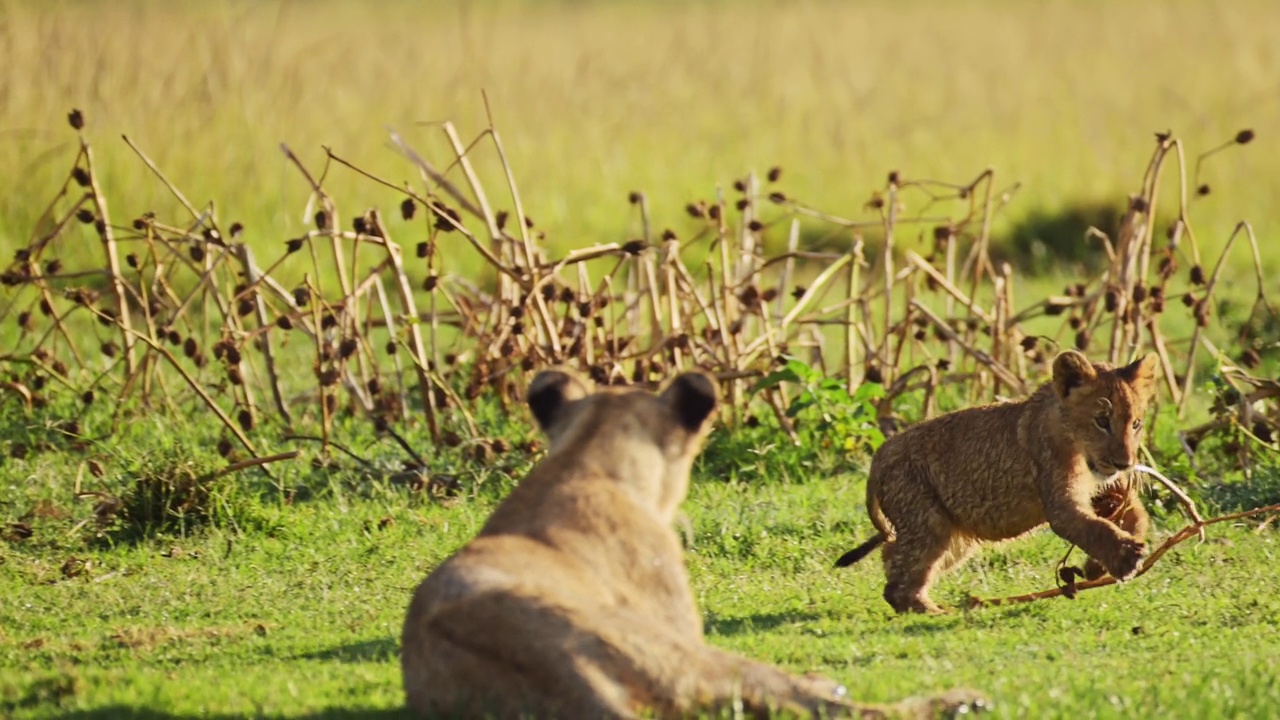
(861, 551)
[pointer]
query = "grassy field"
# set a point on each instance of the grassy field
(280, 592)
(293, 608)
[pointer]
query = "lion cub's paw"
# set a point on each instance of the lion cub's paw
(1129, 560)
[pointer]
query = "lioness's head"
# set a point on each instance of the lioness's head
(643, 439)
(1103, 407)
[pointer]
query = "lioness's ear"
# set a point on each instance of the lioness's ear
(693, 396)
(1140, 372)
(1071, 370)
(550, 391)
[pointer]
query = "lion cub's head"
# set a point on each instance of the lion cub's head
(1103, 407)
(645, 440)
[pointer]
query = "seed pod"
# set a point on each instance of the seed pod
(322, 220)
(87, 397)
(80, 176)
(244, 307)
(360, 225)
(1082, 340)
(430, 283)
(347, 347)
(84, 215)
(189, 347)
(284, 323)
(233, 355)
(1250, 358)
(424, 249)
(197, 253)
(1197, 275)
(873, 375)
(293, 245)
(245, 418)
(1111, 300)
(76, 118)
(224, 447)
(1244, 137)
(633, 247)
(1029, 342)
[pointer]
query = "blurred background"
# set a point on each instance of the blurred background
(595, 99)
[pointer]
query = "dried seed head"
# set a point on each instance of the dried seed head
(798, 292)
(1188, 299)
(775, 172)
(236, 229)
(1262, 431)
(109, 349)
(634, 197)
(873, 375)
(713, 212)
(742, 204)
(1076, 322)
(1052, 308)
(347, 347)
(391, 347)
(233, 355)
(430, 283)
(294, 245)
(528, 222)
(1137, 203)
(224, 447)
(1244, 137)
(1082, 340)
(328, 321)
(920, 335)
(740, 185)
(197, 253)
(894, 178)
(876, 202)
(501, 219)
(80, 176)
(244, 307)
(696, 210)
(566, 294)
(1111, 300)
(284, 323)
(769, 295)
(84, 215)
(360, 225)
(76, 118)
(1250, 358)
(1029, 343)
(245, 418)
(633, 247)
(322, 220)
(190, 347)
(1197, 275)
(131, 260)
(24, 320)
(424, 249)
(328, 377)
(301, 296)
(407, 208)
(233, 375)
(220, 349)
(755, 226)
(777, 198)
(46, 309)
(1203, 190)
(1139, 292)
(1163, 137)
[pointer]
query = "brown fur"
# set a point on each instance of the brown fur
(573, 600)
(940, 488)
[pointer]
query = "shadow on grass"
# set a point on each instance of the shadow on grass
(753, 623)
(383, 650)
(119, 711)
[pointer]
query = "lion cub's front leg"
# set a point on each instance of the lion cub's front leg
(1068, 507)
(1121, 505)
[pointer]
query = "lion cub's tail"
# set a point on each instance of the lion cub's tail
(861, 551)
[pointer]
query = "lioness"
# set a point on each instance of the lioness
(989, 473)
(573, 599)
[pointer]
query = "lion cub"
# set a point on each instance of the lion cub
(989, 473)
(573, 600)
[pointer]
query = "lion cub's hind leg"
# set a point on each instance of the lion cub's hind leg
(925, 543)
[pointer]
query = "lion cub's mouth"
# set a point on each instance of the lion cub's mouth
(1103, 475)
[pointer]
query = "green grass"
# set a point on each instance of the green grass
(288, 601)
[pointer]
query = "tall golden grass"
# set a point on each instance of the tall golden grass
(597, 99)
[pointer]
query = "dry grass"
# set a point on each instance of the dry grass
(598, 99)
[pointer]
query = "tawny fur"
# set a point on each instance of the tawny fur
(939, 489)
(573, 600)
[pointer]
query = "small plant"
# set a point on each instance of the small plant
(825, 409)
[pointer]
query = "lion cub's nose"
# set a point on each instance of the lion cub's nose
(1122, 464)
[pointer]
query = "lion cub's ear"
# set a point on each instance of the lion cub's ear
(693, 396)
(550, 391)
(1140, 373)
(1071, 370)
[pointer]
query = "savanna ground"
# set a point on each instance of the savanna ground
(282, 594)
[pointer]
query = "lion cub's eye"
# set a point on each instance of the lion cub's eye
(1137, 424)
(1103, 422)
